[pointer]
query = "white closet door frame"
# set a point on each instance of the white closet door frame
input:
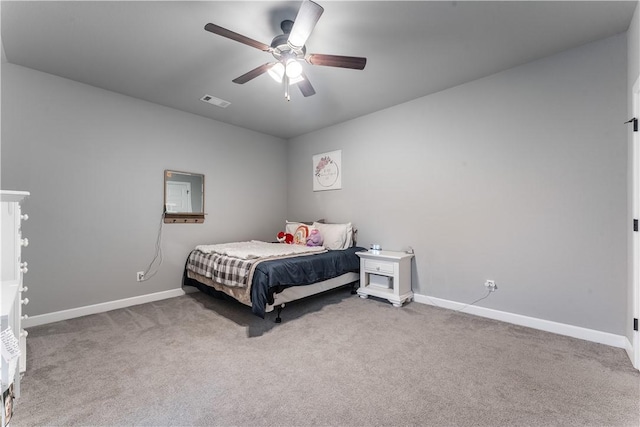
(635, 345)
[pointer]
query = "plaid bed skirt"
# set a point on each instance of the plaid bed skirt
(232, 272)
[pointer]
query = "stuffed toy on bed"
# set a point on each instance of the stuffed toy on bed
(315, 238)
(285, 237)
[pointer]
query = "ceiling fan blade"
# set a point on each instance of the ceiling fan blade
(354, 62)
(305, 86)
(216, 29)
(305, 22)
(254, 73)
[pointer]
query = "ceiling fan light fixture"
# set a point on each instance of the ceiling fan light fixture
(293, 68)
(277, 72)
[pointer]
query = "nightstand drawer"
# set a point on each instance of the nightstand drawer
(378, 266)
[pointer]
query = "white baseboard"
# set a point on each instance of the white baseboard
(72, 313)
(606, 338)
(629, 349)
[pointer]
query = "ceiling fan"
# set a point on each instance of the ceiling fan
(289, 51)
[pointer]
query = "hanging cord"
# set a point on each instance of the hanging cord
(158, 255)
(478, 300)
(460, 309)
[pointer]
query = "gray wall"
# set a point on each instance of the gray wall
(520, 177)
(94, 160)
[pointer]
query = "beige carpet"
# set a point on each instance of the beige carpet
(335, 360)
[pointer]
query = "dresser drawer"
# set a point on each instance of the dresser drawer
(375, 266)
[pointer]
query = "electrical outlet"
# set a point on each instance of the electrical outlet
(140, 276)
(491, 285)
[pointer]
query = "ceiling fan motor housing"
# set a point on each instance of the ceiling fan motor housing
(281, 48)
(286, 26)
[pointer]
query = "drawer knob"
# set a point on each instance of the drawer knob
(24, 270)
(24, 289)
(24, 242)
(24, 264)
(24, 317)
(23, 333)
(25, 301)
(24, 217)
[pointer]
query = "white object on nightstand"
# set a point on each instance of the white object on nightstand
(386, 274)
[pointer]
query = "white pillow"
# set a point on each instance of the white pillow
(336, 236)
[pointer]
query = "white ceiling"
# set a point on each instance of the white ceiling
(160, 52)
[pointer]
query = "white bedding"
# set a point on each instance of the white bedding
(258, 249)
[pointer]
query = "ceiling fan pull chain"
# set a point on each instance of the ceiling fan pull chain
(285, 81)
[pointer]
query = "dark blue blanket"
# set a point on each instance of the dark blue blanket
(275, 275)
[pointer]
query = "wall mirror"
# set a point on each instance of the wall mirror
(183, 197)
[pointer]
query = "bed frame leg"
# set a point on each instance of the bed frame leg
(354, 288)
(279, 319)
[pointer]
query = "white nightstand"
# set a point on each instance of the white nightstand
(386, 274)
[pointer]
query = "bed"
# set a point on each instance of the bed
(266, 276)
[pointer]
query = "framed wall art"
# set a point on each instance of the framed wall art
(327, 171)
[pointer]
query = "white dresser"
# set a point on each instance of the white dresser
(12, 300)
